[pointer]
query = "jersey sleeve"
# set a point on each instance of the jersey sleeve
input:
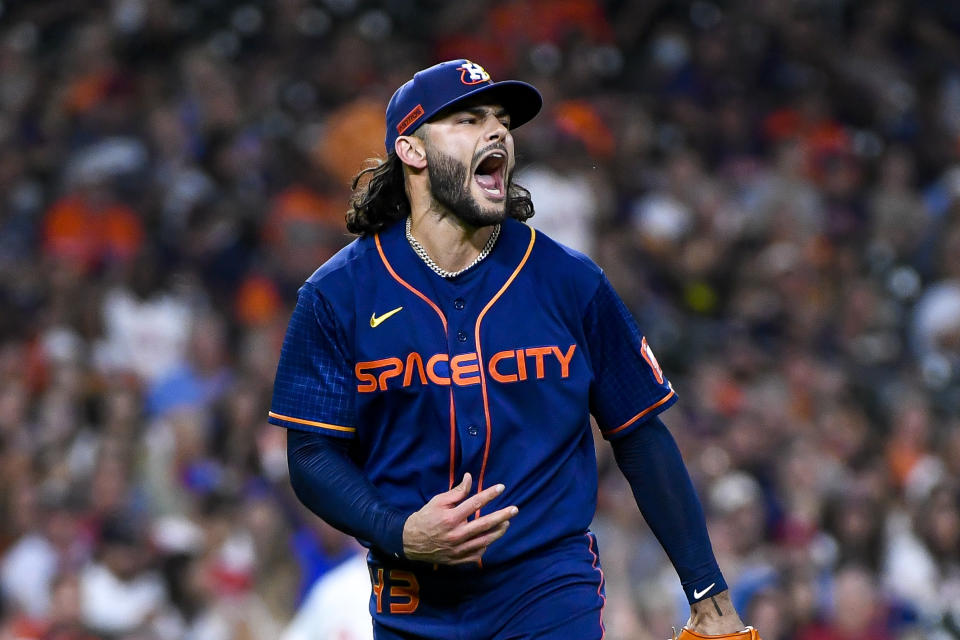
(628, 385)
(314, 389)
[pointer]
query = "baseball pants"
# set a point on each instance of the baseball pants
(553, 594)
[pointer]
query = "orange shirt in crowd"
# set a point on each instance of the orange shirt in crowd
(298, 206)
(86, 233)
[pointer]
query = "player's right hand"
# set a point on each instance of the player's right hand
(440, 532)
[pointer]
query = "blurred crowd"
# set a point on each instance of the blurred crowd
(773, 187)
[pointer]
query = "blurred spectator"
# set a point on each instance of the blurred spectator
(146, 325)
(856, 612)
(119, 593)
(337, 607)
(857, 529)
(302, 229)
(202, 378)
(898, 217)
(561, 186)
(31, 565)
(922, 562)
(90, 229)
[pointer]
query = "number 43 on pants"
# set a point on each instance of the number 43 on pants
(403, 594)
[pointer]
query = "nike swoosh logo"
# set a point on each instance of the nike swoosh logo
(699, 594)
(375, 321)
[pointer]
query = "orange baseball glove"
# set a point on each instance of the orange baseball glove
(747, 634)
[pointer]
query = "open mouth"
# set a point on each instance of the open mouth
(489, 174)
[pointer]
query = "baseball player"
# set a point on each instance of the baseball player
(437, 381)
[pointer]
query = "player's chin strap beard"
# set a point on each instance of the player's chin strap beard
(437, 269)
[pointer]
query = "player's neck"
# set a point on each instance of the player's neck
(452, 244)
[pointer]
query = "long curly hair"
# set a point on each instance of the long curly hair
(379, 198)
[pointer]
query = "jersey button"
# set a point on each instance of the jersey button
(473, 430)
(461, 336)
(459, 304)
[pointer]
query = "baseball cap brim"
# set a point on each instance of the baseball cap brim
(521, 100)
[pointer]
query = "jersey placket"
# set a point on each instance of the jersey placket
(462, 301)
(475, 293)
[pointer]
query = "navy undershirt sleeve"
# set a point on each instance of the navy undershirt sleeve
(331, 485)
(651, 461)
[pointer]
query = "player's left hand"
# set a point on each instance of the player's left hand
(715, 616)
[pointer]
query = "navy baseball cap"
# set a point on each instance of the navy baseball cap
(440, 86)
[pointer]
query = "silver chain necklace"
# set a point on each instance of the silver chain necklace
(440, 271)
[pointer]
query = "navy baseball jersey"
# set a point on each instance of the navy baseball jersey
(494, 372)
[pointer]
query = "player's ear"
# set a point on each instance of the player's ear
(411, 152)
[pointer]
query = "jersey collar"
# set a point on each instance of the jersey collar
(502, 261)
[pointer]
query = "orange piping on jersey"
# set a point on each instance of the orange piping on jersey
(443, 321)
(603, 598)
(453, 441)
(406, 284)
(483, 377)
(639, 415)
(322, 425)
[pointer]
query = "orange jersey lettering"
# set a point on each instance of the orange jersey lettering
(414, 365)
(459, 369)
(505, 378)
(505, 367)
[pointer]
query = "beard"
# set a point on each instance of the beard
(449, 187)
